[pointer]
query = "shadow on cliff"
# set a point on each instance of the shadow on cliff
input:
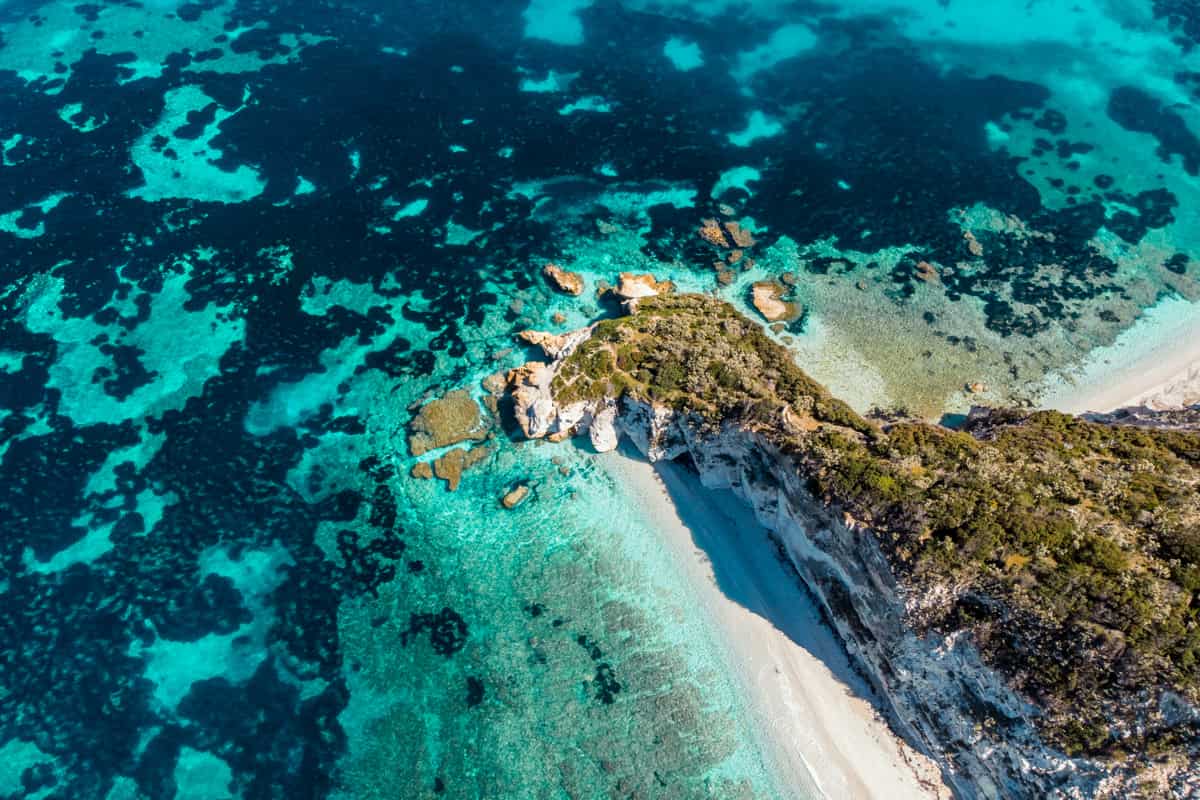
(750, 570)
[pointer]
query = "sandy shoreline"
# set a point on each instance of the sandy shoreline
(811, 708)
(1155, 363)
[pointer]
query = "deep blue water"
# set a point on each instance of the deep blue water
(241, 242)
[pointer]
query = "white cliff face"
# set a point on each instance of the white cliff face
(533, 402)
(603, 428)
(936, 691)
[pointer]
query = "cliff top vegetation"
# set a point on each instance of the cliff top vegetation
(1071, 548)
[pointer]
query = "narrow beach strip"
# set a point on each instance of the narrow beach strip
(1155, 363)
(823, 735)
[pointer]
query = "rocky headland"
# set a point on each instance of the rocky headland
(1023, 594)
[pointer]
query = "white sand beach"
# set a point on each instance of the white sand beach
(1156, 363)
(812, 710)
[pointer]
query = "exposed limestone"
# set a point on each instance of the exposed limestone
(495, 383)
(603, 431)
(533, 404)
(766, 298)
(450, 419)
(553, 344)
(565, 281)
(943, 560)
(422, 470)
(635, 287)
(515, 497)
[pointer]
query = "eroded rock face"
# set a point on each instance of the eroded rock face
(455, 417)
(936, 690)
(529, 387)
(533, 403)
(603, 428)
(554, 344)
(766, 298)
(565, 281)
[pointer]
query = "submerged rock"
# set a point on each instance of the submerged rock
(928, 272)
(451, 466)
(565, 281)
(450, 419)
(515, 497)
(954, 566)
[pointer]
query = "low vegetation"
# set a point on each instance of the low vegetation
(1072, 547)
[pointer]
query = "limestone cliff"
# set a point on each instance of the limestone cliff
(1024, 601)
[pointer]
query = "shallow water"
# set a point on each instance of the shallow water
(240, 240)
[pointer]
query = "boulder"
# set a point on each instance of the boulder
(741, 236)
(495, 383)
(710, 231)
(565, 281)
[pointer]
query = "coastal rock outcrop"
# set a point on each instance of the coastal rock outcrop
(553, 344)
(635, 287)
(766, 297)
(565, 281)
(927, 552)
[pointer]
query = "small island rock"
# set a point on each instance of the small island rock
(565, 281)
(766, 298)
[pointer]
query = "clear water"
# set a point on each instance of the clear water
(240, 240)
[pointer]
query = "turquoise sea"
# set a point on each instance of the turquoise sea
(241, 243)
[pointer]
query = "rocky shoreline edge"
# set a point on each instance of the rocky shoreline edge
(944, 693)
